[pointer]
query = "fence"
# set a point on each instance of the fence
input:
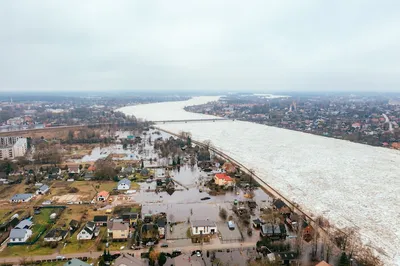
(43, 229)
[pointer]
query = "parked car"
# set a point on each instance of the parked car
(164, 245)
(150, 244)
(60, 257)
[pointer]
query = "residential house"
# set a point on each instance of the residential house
(131, 218)
(281, 207)
(21, 198)
(73, 226)
(161, 223)
(100, 220)
(229, 167)
(124, 184)
(20, 235)
(74, 169)
(103, 196)
(223, 179)
(24, 224)
(87, 231)
(76, 262)
(203, 227)
(42, 190)
(274, 231)
(128, 170)
(56, 234)
(128, 260)
(118, 230)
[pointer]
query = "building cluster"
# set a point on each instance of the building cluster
(369, 120)
(12, 147)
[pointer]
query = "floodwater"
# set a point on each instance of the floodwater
(353, 185)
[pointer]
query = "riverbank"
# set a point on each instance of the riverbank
(332, 178)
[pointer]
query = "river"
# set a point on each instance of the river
(350, 184)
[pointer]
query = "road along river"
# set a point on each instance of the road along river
(352, 185)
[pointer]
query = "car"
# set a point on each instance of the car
(198, 253)
(150, 244)
(60, 257)
(164, 245)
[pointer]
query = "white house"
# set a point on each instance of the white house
(204, 227)
(42, 190)
(20, 235)
(87, 231)
(21, 198)
(124, 184)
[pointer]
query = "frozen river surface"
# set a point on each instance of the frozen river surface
(353, 185)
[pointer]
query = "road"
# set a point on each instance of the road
(185, 250)
(387, 120)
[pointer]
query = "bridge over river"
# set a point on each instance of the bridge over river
(192, 120)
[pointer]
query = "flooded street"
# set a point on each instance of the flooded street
(343, 174)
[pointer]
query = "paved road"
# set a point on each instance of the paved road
(186, 249)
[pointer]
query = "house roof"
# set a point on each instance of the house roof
(73, 168)
(270, 229)
(201, 223)
(223, 176)
(88, 230)
(130, 215)
(279, 204)
(103, 194)
(124, 181)
(76, 262)
(257, 221)
(23, 224)
(44, 188)
(100, 218)
(21, 196)
(127, 260)
(18, 233)
(92, 168)
(73, 223)
(90, 224)
(161, 222)
(119, 226)
(57, 232)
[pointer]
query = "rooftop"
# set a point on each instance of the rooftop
(223, 176)
(21, 196)
(202, 223)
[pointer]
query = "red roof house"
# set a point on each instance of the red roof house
(223, 179)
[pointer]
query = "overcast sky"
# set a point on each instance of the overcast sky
(200, 45)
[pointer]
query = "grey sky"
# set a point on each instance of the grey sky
(208, 44)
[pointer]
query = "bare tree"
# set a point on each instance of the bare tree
(207, 144)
